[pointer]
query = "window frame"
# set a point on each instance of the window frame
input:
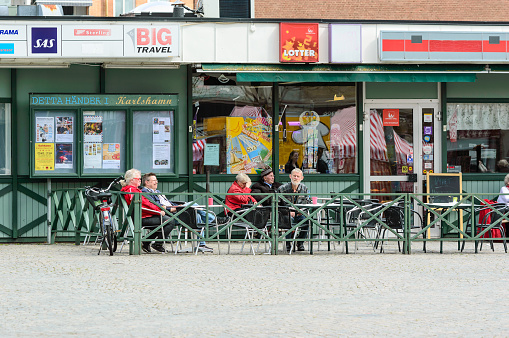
(78, 138)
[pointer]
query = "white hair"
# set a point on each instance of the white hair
(129, 175)
(242, 178)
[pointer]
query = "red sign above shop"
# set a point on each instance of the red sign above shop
(391, 117)
(299, 42)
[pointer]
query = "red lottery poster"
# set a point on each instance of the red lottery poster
(299, 42)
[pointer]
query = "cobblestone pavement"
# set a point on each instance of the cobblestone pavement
(67, 290)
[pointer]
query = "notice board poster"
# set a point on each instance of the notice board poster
(298, 42)
(44, 156)
(44, 129)
(111, 156)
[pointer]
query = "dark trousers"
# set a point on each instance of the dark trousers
(303, 228)
(153, 221)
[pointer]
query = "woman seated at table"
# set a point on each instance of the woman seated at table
(240, 186)
(504, 190)
(151, 214)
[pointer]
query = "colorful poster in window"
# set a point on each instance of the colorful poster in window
(111, 156)
(298, 42)
(64, 129)
(44, 129)
(161, 156)
(63, 159)
(92, 155)
(44, 156)
(93, 128)
(248, 144)
(161, 130)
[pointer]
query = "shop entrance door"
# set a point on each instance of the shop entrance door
(401, 144)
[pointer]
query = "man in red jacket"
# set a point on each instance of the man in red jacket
(151, 215)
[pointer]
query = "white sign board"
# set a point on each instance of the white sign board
(345, 43)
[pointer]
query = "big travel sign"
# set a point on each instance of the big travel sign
(151, 40)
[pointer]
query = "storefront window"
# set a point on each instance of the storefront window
(238, 118)
(55, 141)
(153, 141)
(5, 137)
(318, 129)
(103, 142)
(478, 137)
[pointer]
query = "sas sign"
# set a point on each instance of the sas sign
(44, 40)
(151, 40)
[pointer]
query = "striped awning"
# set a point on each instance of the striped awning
(403, 149)
(344, 132)
(377, 144)
(198, 146)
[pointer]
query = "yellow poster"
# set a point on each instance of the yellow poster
(249, 144)
(44, 156)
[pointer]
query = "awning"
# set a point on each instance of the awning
(348, 73)
(352, 77)
(65, 2)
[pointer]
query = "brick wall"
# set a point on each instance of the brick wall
(427, 10)
(99, 7)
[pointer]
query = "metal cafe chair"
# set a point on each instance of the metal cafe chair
(257, 218)
(357, 216)
(394, 218)
(492, 217)
(189, 217)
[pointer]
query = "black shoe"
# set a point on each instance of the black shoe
(145, 246)
(222, 220)
(158, 247)
(300, 247)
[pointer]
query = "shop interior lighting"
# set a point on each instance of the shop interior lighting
(141, 66)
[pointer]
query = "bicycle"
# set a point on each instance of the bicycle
(100, 199)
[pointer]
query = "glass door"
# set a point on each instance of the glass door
(399, 147)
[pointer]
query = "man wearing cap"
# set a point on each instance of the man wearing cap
(266, 185)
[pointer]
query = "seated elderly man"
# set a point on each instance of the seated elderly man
(295, 186)
(240, 186)
(151, 215)
(149, 182)
(266, 185)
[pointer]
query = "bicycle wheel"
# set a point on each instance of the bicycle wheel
(114, 227)
(109, 238)
(107, 231)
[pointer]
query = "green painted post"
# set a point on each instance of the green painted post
(275, 225)
(136, 249)
(407, 245)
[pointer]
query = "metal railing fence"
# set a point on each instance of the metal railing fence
(405, 218)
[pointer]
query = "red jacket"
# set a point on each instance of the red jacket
(148, 209)
(236, 201)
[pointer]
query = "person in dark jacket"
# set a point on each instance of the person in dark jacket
(266, 185)
(292, 161)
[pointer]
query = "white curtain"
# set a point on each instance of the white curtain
(480, 116)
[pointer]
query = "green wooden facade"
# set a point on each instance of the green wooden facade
(23, 199)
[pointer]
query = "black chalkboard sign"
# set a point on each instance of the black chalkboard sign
(444, 184)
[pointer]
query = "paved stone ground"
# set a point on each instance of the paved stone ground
(67, 290)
